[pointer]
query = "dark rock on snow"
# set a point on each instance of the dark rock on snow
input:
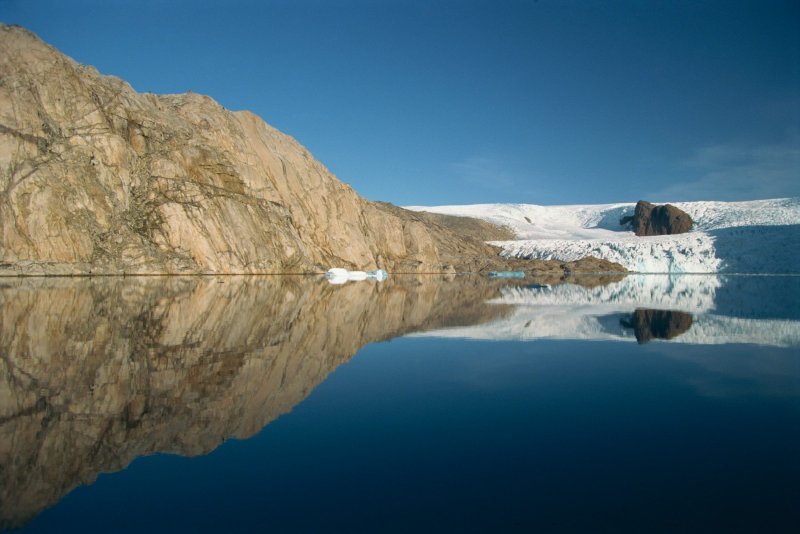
(649, 219)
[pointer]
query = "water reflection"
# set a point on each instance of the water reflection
(657, 324)
(96, 372)
(696, 309)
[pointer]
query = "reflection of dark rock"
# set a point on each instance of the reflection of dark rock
(649, 219)
(657, 324)
(96, 372)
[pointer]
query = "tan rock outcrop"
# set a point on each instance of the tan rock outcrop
(97, 178)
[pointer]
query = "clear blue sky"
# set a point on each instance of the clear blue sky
(444, 102)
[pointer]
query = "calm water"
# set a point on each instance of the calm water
(285, 404)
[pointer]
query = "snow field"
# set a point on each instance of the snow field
(760, 236)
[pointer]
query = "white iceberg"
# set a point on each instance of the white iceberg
(339, 276)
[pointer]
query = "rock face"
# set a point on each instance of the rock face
(467, 226)
(97, 178)
(649, 219)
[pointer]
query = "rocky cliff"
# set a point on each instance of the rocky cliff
(97, 178)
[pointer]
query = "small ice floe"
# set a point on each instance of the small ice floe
(341, 276)
(506, 274)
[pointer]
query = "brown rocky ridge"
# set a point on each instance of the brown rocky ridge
(96, 178)
(649, 219)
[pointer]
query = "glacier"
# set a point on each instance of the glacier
(758, 237)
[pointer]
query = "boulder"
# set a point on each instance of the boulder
(650, 219)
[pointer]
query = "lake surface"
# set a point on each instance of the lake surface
(286, 404)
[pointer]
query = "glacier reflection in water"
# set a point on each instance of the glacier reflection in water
(696, 309)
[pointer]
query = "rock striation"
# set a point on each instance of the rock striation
(649, 219)
(97, 178)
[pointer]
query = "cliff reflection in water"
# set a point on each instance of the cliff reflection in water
(98, 371)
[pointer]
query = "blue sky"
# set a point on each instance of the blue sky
(445, 102)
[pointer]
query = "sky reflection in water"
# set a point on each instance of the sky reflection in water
(561, 421)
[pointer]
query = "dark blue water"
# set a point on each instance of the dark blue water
(449, 434)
